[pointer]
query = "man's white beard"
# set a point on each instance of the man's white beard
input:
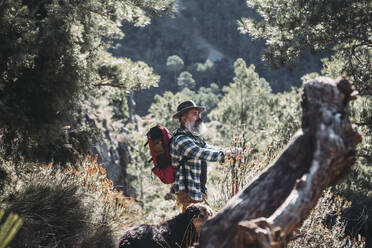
(196, 128)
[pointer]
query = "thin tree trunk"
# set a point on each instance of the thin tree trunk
(276, 203)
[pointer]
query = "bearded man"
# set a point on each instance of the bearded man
(190, 154)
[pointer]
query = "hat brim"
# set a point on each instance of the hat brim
(177, 115)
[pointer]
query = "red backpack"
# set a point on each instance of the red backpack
(159, 139)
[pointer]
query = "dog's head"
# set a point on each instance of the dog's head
(199, 214)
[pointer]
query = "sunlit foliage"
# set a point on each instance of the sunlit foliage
(290, 27)
(53, 52)
(343, 29)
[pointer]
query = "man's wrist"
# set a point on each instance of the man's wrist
(222, 157)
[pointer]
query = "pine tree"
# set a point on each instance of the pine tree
(185, 80)
(291, 27)
(342, 28)
(175, 64)
(52, 52)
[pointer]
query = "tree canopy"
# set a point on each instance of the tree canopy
(185, 80)
(291, 27)
(174, 63)
(343, 29)
(53, 51)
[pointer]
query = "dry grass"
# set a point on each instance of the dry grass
(76, 206)
(324, 226)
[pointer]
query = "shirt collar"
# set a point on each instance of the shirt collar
(183, 130)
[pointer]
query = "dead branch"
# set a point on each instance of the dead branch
(277, 202)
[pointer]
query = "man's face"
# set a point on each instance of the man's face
(193, 123)
(193, 115)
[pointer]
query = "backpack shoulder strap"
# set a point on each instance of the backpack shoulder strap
(177, 134)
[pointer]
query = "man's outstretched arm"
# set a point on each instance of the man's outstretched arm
(191, 150)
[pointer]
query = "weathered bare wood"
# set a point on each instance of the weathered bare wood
(269, 209)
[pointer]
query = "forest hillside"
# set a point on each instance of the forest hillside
(82, 82)
(205, 37)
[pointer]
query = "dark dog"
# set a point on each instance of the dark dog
(181, 231)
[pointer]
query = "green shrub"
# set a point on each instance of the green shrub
(53, 213)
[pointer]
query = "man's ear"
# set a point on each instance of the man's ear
(183, 119)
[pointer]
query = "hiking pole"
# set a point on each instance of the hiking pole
(234, 188)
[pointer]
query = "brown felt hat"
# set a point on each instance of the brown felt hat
(186, 105)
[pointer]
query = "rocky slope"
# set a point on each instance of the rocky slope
(112, 143)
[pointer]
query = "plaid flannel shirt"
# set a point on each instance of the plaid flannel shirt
(184, 144)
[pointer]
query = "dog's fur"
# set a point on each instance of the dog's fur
(180, 231)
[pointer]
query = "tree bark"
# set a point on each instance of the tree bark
(277, 202)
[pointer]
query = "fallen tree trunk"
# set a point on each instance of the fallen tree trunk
(277, 202)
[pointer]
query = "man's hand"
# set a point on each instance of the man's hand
(230, 153)
(233, 151)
